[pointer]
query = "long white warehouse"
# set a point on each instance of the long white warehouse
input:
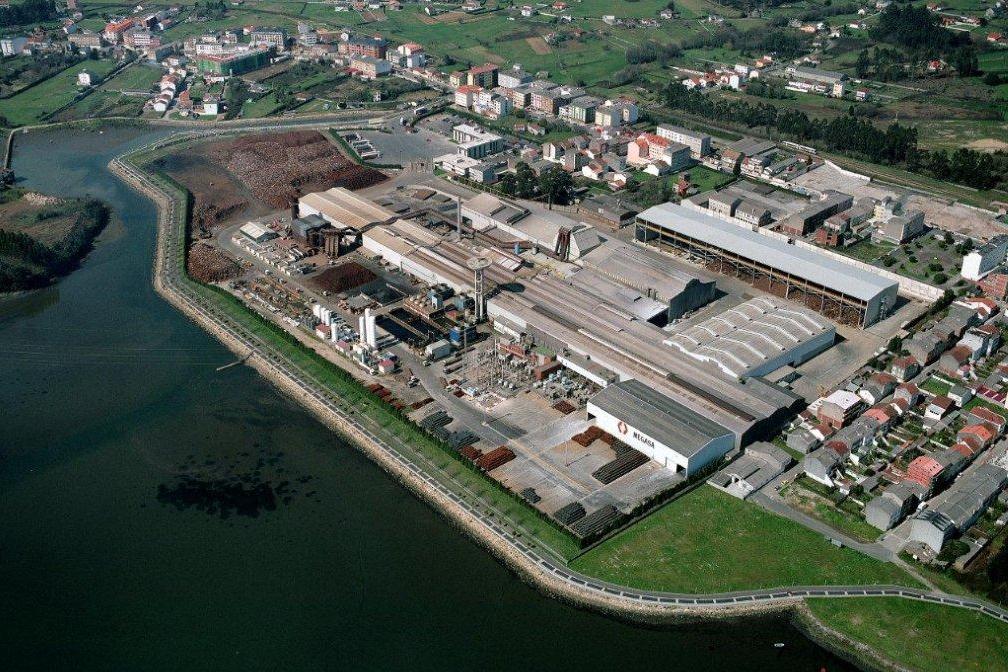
(839, 291)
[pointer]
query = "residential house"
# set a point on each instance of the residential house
(889, 508)
(938, 407)
(822, 465)
(960, 394)
(803, 440)
(908, 392)
(924, 470)
(925, 347)
(905, 368)
(879, 386)
(840, 408)
(952, 362)
(977, 435)
(482, 75)
(955, 511)
(648, 148)
(994, 421)
(465, 95)
(513, 78)
(580, 110)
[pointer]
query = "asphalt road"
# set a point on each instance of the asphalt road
(171, 243)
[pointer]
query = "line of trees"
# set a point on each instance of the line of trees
(651, 52)
(554, 184)
(850, 135)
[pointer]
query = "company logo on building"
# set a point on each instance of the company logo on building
(622, 427)
(646, 440)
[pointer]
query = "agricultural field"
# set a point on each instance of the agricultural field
(103, 104)
(32, 105)
(138, 77)
(705, 542)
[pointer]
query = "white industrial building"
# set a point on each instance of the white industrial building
(476, 143)
(257, 232)
(343, 208)
(566, 238)
(755, 338)
(984, 259)
(664, 430)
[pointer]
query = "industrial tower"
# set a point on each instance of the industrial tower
(478, 264)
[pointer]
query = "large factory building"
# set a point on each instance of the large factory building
(755, 338)
(837, 290)
(664, 430)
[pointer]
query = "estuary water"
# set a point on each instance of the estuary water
(108, 397)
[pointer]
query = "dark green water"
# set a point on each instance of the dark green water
(107, 393)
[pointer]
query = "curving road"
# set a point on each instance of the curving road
(481, 518)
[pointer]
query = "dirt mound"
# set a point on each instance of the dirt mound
(343, 277)
(207, 264)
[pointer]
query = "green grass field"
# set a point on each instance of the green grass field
(137, 77)
(921, 636)
(28, 107)
(707, 541)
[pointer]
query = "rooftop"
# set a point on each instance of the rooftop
(664, 420)
(805, 263)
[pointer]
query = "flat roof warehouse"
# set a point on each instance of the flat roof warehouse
(809, 264)
(842, 292)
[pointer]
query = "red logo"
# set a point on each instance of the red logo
(622, 427)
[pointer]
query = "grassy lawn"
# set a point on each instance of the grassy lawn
(704, 178)
(261, 107)
(866, 251)
(922, 636)
(28, 107)
(839, 519)
(708, 541)
(935, 386)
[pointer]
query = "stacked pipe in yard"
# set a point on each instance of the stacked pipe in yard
(586, 437)
(471, 453)
(596, 522)
(622, 465)
(564, 407)
(495, 458)
(570, 514)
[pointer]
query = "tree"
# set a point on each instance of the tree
(556, 185)
(525, 181)
(508, 184)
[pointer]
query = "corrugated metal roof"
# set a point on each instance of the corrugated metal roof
(802, 262)
(661, 418)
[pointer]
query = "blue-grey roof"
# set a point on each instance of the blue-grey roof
(802, 262)
(664, 419)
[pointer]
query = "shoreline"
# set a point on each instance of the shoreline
(558, 583)
(459, 516)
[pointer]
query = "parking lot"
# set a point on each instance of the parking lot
(401, 147)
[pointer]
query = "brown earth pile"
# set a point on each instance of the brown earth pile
(208, 264)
